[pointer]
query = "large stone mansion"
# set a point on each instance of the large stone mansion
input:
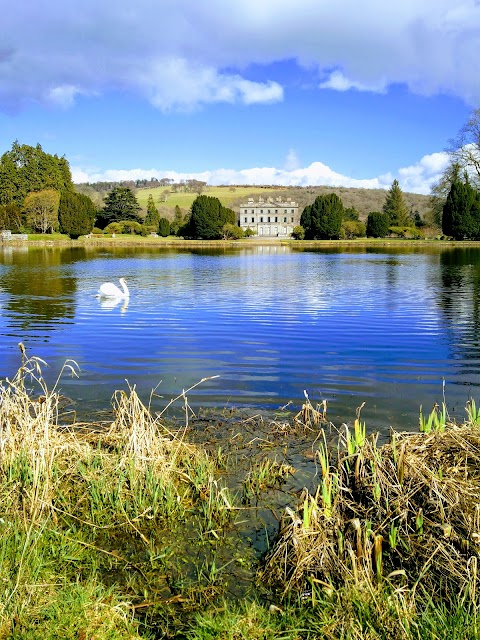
(269, 218)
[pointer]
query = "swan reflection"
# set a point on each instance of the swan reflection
(111, 303)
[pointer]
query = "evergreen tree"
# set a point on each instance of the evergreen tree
(76, 214)
(26, 169)
(178, 221)
(377, 224)
(164, 227)
(395, 206)
(351, 214)
(440, 191)
(208, 217)
(120, 204)
(152, 218)
(461, 212)
(323, 219)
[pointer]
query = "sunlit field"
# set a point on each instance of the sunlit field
(184, 200)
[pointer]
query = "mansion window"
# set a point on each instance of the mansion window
(245, 219)
(276, 218)
(268, 219)
(285, 218)
(261, 219)
(253, 219)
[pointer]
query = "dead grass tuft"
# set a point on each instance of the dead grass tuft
(406, 513)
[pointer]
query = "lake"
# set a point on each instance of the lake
(380, 326)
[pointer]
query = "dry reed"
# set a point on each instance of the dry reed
(406, 513)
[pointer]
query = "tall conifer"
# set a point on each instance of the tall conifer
(395, 206)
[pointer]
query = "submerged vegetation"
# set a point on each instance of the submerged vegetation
(231, 526)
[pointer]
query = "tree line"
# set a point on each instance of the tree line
(37, 194)
(327, 219)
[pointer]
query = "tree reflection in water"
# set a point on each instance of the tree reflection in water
(41, 288)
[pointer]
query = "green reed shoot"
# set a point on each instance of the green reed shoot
(329, 480)
(355, 441)
(436, 421)
(393, 536)
(419, 522)
(473, 414)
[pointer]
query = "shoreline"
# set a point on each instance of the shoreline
(130, 241)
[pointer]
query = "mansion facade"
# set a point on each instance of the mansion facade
(270, 218)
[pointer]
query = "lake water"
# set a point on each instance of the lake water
(384, 327)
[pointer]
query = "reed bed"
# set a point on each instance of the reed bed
(403, 516)
(78, 501)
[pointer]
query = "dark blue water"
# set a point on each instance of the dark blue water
(384, 328)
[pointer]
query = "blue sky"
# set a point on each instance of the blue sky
(264, 91)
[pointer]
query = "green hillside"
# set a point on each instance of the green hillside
(226, 195)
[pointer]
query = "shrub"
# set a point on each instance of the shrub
(130, 226)
(407, 232)
(232, 232)
(298, 233)
(97, 231)
(248, 233)
(148, 229)
(114, 227)
(353, 229)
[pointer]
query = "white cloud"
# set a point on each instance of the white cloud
(416, 178)
(63, 96)
(339, 82)
(178, 84)
(419, 177)
(180, 53)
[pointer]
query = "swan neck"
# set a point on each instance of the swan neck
(125, 288)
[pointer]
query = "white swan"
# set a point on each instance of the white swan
(110, 290)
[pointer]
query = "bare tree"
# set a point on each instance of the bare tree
(464, 150)
(41, 209)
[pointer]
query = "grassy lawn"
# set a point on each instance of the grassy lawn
(184, 200)
(48, 236)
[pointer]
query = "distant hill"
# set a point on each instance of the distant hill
(363, 200)
(165, 198)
